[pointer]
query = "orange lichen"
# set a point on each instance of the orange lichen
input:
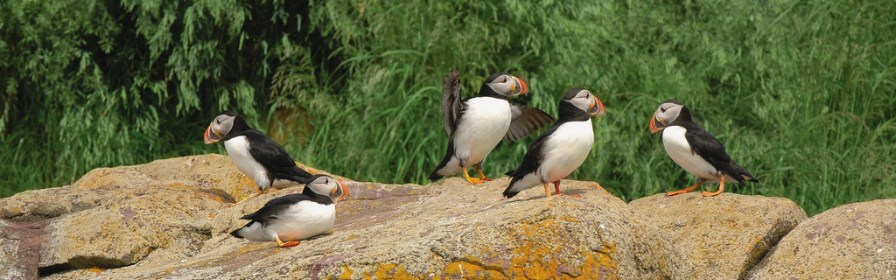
(346, 273)
(535, 255)
(472, 269)
(390, 271)
(95, 269)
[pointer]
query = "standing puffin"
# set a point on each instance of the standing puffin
(694, 149)
(476, 125)
(293, 217)
(560, 149)
(254, 154)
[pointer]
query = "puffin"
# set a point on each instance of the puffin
(294, 217)
(254, 154)
(694, 149)
(560, 149)
(476, 125)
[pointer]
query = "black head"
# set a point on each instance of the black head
(670, 112)
(580, 104)
(325, 185)
(503, 85)
(225, 126)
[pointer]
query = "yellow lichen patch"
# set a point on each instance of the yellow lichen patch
(95, 269)
(390, 271)
(536, 259)
(601, 265)
(346, 273)
(471, 270)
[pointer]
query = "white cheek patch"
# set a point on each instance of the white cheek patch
(581, 103)
(500, 88)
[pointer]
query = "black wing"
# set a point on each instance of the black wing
(525, 121)
(531, 162)
(452, 105)
(275, 158)
(534, 156)
(710, 149)
(270, 210)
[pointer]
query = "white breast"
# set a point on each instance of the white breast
(300, 221)
(238, 150)
(565, 150)
(680, 151)
(485, 122)
(303, 220)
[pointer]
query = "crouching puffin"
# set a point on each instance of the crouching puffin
(254, 154)
(694, 149)
(560, 149)
(476, 125)
(294, 217)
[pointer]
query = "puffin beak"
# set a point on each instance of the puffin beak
(524, 89)
(655, 125)
(211, 135)
(341, 193)
(596, 108)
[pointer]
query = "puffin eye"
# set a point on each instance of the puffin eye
(663, 109)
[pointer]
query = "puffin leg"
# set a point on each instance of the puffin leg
(557, 190)
(547, 189)
(686, 190)
(286, 244)
(720, 190)
(474, 181)
(482, 176)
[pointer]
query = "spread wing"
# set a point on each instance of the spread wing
(452, 106)
(273, 208)
(525, 121)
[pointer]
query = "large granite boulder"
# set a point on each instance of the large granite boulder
(723, 236)
(448, 230)
(170, 219)
(854, 241)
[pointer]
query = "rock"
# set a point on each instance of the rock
(723, 236)
(853, 241)
(449, 229)
(115, 217)
(17, 260)
(171, 218)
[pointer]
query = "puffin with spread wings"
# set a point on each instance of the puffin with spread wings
(476, 125)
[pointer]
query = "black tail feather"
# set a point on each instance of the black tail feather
(236, 234)
(508, 194)
(435, 173)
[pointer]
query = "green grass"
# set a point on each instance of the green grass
(802, 93)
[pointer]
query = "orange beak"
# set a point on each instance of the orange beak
(345, 193)
(597, 107)
(525, 87)
(654, 128)
(210, 137)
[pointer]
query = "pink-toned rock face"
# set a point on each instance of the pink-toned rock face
(854, 241)
(170, 219)
(723, 236)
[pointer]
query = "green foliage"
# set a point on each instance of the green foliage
(801, 93)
